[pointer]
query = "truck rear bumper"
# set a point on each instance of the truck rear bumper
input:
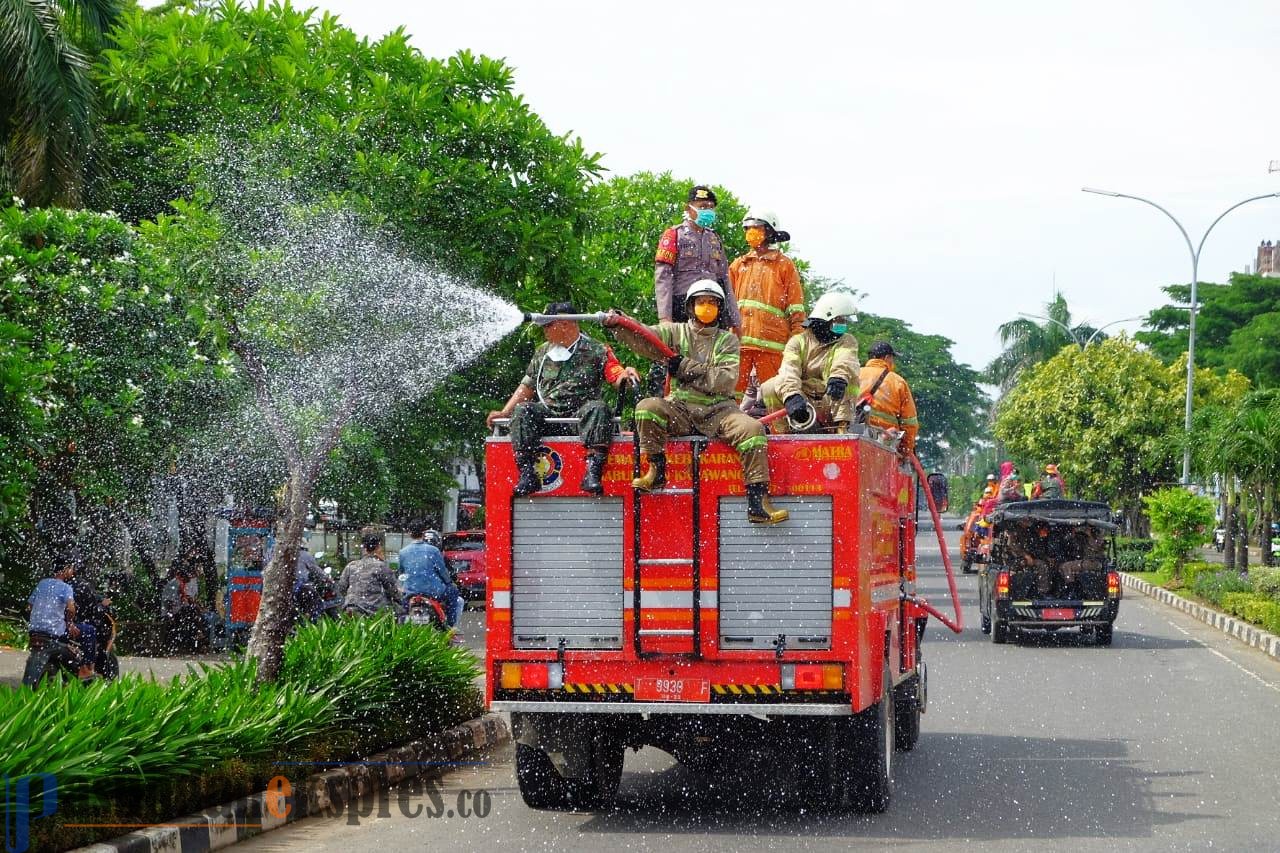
(688, 708)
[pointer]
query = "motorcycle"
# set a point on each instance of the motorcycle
(1219, 538)
(423, 610)
(53, 658)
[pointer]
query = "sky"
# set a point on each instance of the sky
(928, 154)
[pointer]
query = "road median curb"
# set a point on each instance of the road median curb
(1244, 632)
(221, 826)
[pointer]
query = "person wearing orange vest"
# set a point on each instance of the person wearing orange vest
(886, 400)
(770, 299)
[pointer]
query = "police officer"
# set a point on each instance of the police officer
(689, 252)
(563, 380)
(703, 371)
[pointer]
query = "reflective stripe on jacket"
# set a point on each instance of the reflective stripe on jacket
(770, 300)
(709, 372)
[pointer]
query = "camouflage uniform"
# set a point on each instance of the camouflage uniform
(565, 389)
(806, 367)
(687, 253)
(701, 397)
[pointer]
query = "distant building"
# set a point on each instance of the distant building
(1268, 259)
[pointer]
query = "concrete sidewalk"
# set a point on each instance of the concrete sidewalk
(12, 662)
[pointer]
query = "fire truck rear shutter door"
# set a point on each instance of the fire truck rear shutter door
(567, 573)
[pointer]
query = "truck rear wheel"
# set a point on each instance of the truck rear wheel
(542, 786)
(874, 736)
(999, 630)
(906, 713)
(1102, 635)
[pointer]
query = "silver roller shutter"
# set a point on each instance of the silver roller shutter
(566, 573)
(776, 579)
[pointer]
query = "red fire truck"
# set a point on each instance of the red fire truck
(667, 619)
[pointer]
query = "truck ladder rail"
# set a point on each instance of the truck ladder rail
(958, 625)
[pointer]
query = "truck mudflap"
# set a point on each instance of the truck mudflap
(809, 709)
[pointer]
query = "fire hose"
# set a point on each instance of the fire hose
(640, 329)
(958, 625)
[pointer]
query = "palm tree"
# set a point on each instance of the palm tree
(1254, 440)
(46, 98)
(1028, 343)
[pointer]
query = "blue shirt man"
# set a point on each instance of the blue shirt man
(426, 573)
(50, 602)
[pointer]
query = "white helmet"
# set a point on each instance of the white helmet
(832, 304)
(761, 217)
(704, 287)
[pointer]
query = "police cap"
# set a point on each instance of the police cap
(701, 193)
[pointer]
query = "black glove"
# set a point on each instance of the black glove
(673, 366)
(796, 405)
(835, 388)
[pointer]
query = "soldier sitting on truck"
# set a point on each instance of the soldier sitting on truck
(565, 376)
(1024, 550)
(1089, 543)
(817, 366)
(704, 372)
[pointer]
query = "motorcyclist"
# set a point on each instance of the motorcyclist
(367, 585)
(95, 610)
(310, 584)
(425, 571)
(52, 607)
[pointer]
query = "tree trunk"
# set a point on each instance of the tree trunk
(1268, 496)
(1229, 525)
(275, 613)
(1242, 543)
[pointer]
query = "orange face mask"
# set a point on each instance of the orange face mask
(755, 236)
(706, 312)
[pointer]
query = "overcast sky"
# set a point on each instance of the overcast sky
(929, 154)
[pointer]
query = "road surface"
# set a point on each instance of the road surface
(1165, 741)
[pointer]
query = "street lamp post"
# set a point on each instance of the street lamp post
(1072, 332)
(1195, 280)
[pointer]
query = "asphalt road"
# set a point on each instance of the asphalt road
(1165, 741)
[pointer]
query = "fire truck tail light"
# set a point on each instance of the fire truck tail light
(812, 676)
(1002, 585)
(1113, 584)
(531, 676)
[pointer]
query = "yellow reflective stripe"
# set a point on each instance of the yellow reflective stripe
(694, 397)
(642, 415)
(760, 306)
(795, 309)
(885, 416)
(909, 421)
(756, 441)
(763, 344)
(791, 355)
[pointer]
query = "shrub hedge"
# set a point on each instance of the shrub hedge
(137, 751)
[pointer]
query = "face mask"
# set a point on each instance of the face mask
(839, 328)
(555, 352)
(706, 218)
(706, 312)
(755, 237)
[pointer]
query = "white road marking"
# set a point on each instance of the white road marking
(1213, 651)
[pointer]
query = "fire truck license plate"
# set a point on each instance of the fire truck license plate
(1058, 613)
(673, 690)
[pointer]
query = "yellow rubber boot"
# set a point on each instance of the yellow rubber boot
(759, 509)
(654, 476)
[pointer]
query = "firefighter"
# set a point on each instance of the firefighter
(565, 377)
(689, 252)
(990, 490)
(703, 372)
(817, 366)
(885, 399)
(770, 300)
(1051, 485)
(1011, 489)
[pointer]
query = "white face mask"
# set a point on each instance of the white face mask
(555, 352)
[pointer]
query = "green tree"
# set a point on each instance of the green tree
(1237, 326)
(1111, 416)
(1028, 343)
(303, 160)
(47, 100)
(1181, 521)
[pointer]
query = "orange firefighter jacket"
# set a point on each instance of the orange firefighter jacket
(892, 407)
(770, 299)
